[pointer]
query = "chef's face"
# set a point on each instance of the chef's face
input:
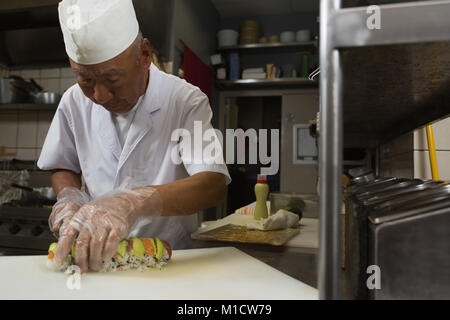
(118, 83)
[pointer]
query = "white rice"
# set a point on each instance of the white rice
(128, 262)
(118, 263)
(54, 266)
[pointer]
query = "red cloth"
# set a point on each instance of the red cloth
(196, 72)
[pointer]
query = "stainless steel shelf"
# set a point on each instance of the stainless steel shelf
(376, 84)
(28, 107)
(310, 46)
(284, 82)
(412, 22)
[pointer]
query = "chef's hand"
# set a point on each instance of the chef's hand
(100, 225)
(69, 201)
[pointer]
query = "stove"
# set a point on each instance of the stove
(24, 216)
(24, 227)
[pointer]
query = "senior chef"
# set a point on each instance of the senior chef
(114, 129)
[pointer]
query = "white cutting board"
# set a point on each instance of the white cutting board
(307, 238)
(213, 273)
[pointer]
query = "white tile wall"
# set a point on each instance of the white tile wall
(51, 84)
(8, 129)
(31, 73)
(26, 135)
(22, 133)
(66, 83)
(441, 133)
(25, 153)
(67, 73)
(50, 73)
(51, 79)
(38, 153)
(415, 146)
(44, 121)
(422, 168)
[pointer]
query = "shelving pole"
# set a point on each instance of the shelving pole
(330, 155)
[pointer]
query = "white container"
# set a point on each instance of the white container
(303, 35)
(227, 37)
(287, 36)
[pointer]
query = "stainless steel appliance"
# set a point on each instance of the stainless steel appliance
(412, 249)
(381, 195)
(24, 228)
(24, 215)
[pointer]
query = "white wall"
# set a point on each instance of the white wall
(407, 156)
(22, 133)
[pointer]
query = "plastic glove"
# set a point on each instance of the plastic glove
(69, 200)
(100, 225)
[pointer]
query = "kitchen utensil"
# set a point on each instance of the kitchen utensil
(227, 37)
(235, 233)
(9, 93)
(36, 85)
(287, 36)
(303, 35)
(40, 97)
(44, 192)
(46, 97)
(212, 273)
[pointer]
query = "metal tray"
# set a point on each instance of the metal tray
(408, 199)
(403, 188)
(419, 207)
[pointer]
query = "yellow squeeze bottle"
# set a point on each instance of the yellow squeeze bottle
(261, 192)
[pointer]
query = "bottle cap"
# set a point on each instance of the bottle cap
(261, 178)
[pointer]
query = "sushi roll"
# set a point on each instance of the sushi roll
(135, 253)
(52, 264)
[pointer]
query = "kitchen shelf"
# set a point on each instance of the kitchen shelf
(28, 107)
(251, 83)
(310, 46)
(374, 84)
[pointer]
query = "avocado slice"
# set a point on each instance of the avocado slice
(138, 248)
(122, 247)
(53, 247)
(73, 249)
(159, 249)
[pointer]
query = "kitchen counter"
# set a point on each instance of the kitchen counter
(220, 273)
(299, 263)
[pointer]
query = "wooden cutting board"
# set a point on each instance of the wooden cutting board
(235, 233)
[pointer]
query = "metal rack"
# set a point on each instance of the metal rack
(375, 85)
(28, 107)
(257, 83)
(310, 46)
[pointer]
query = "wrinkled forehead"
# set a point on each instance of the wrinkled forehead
(99, 70)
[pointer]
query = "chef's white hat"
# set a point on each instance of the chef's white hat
(97, 30)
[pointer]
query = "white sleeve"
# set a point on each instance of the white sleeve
(59, 150)
(200, 148)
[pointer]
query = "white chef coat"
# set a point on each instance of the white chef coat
(123, 121)
(83, 138)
